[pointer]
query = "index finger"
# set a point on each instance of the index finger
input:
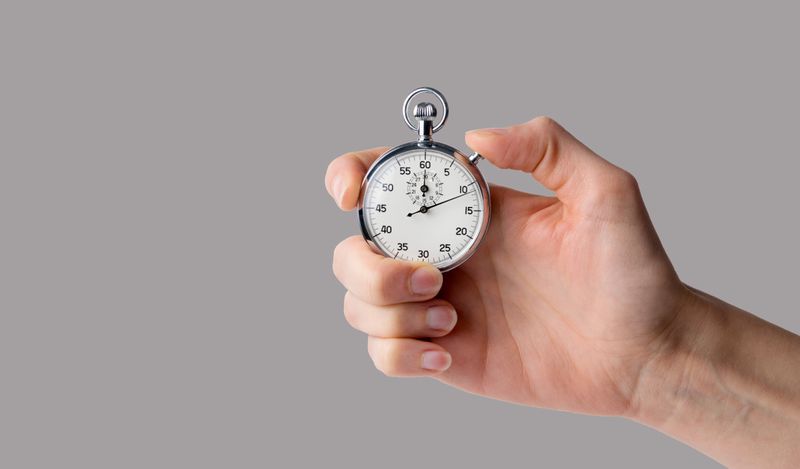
(553, 157)
(344, 175)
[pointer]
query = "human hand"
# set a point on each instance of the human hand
(563, 304)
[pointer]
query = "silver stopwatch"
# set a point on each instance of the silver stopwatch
(424, 200)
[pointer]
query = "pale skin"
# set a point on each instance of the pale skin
(571, 303)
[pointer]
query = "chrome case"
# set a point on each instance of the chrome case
(467, 162)
(424, 113)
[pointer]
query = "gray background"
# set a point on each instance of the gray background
(166, 298)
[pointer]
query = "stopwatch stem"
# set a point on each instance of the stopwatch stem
(425, 129)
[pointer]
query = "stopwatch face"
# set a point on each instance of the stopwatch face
(424, 204)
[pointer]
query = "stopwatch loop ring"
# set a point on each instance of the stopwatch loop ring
(425, 89)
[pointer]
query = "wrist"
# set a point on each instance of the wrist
(680, 355)
(725, 382)
(682, 390)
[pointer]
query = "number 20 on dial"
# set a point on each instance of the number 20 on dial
(424, 200)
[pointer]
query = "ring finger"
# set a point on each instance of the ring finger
(434, 318)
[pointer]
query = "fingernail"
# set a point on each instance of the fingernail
(436, 360)
(441, 318)
(338, 190)
(426, 280)
(496, 132)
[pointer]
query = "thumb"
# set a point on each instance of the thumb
(551, 154)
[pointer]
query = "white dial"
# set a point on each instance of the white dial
(424, 205)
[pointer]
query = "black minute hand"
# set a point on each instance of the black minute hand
(425, 209)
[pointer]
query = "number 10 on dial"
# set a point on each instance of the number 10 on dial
(424, 200)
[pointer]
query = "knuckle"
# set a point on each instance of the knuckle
(331, 167)
(334, 167)
(394, 321)
(385, 355)
(349, 308)
(389, 279)
(389, 364)
(623, 183)
(349, 156)
(397, 324)
(380, 365)
(545, 125)
(341, 252)
(543, 134)
(337, 258)
(615, 189)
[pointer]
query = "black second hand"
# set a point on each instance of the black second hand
(439, 203)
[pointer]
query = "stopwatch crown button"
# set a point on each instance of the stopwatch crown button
(425, 111)
(475, 158)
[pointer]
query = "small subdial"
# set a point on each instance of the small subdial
(424, 188)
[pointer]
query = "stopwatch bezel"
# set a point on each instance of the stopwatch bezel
(465, 162)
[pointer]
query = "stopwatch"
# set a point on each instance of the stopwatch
(424, 200)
